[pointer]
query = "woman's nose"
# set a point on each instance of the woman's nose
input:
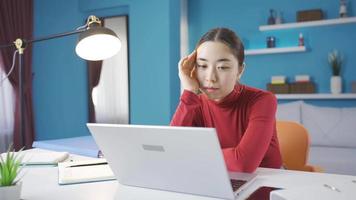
(211, 76)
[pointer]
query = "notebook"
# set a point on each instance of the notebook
(41, 157)
(84, 171)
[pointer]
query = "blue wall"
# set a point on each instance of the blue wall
(245, 17)
(60, 77)
(60, 81)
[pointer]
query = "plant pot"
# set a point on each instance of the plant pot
(11, 192)
(336, 84)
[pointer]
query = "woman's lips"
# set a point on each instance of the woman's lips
(210, 89)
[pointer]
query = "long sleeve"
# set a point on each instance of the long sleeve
(188, 112)
(256, 140)
(245, 124)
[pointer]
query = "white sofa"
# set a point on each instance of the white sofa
(332, 134)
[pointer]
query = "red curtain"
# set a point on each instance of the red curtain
(16, 19)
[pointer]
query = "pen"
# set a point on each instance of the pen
(91, 164)
(332, 187)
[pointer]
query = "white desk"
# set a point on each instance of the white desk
(41, 183)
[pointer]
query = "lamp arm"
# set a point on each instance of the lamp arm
(56, 36)
(91, 21)
(6, 45)
(25, 42)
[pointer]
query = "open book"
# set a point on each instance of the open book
(41, 157)
(84, 171)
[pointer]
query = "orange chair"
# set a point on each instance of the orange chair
(294, 145)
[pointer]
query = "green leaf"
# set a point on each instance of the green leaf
(10, 167)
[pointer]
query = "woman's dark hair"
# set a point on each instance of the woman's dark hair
(229, 38)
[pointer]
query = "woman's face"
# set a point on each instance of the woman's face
(217, 69)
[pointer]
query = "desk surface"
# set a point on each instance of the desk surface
(41, 183)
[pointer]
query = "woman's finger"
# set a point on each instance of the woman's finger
(182, 61)
(193, 73)
(191, 60)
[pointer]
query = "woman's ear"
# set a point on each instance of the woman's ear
(241, 70)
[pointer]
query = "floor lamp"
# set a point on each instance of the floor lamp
(95, 43)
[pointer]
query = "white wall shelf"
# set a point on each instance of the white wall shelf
(275, 50)
(325, 22)
(316, 96)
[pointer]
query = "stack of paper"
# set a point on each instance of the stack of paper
(41, 157)
(302, 78)
(84, 171)
(278, 79)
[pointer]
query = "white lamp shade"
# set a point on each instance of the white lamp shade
(97, 46)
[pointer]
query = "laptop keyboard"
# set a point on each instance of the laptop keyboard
(236, 184)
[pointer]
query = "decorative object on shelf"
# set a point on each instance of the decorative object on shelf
(10, 167)
(302, 87)
(278, 88)
(271, 41)
(353, 86)
(309, 15)
(302, 78)
(278, 85)
(335, 60)
(301, 40)
(279, 18)
(278, 79)
(271, 19)
(336, 84)
(343, 9)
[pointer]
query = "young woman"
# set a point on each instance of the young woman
(244, 117)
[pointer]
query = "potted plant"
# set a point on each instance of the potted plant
(335, 61)
(10, 167)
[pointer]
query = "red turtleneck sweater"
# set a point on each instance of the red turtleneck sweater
(245, 124)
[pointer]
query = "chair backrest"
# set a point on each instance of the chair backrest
(294, 144)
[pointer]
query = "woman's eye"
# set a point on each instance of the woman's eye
(201, 66)
(223, 68)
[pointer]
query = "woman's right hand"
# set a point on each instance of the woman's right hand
(187, 73)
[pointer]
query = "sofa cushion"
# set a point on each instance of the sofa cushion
(336, 160)
(330, 126)
(289, 111)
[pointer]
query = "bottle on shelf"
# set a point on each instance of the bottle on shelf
(271, 42)
(271, 19)
(343, 9)
(301, 40)
(279, 18)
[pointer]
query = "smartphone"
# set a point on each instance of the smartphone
(262, 193)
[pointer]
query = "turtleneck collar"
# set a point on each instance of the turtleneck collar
(229, 99)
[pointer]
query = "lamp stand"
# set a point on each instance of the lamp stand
(20, 46)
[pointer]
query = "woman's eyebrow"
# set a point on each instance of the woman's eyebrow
(220, 60)
(202, 59)
(224, 60)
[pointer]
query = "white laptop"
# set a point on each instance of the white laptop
(180, 159)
